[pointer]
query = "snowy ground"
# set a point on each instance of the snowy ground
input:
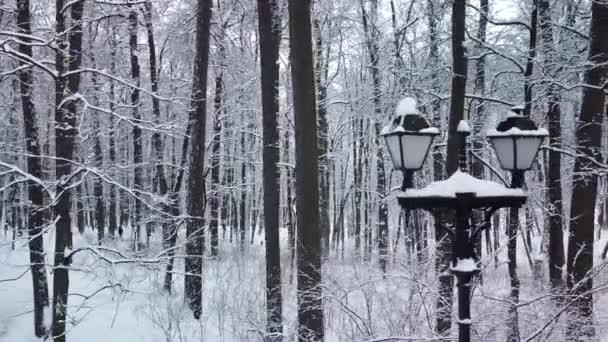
(125, 302)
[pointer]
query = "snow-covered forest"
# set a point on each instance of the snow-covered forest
(214, 170)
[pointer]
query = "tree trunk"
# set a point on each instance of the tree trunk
(321, 86)
(372, 39)
(478, 119)
(137, 138)
(243, 192)
(357, 185)
(157, 143)
(291, 225)
(442, 239)
(100, 212)
(584, 192)
(68, 58)
(112, 205)
(554, 184)
(270, 34)
(196, 182)
(310, 302)
(34, 168)
(170, 234)
(214, 201)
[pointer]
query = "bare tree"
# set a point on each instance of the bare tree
(269, 24)
(584, 192)
(137, 134)
(196, 181)
(310, 303)
(34, 167)
(554, 174)
(68, 59)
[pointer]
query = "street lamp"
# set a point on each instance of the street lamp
(462, 192)
(516, 141)
(408, 138)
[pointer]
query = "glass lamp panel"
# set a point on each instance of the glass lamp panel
(415, 149)
(527, 147)
(394, 150)
(503, 146)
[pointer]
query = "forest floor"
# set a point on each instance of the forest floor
(124, 301)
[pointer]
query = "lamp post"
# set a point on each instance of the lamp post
(461, 192)
(516, 141)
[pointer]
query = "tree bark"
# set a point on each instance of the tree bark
(442, 239)
(34, 168)
(112, 205)
(528, 85)
(214, 201)
(321, 86)
(196, 181)
(554, 184)
(137, 136)
(310, 302)
(372, 39)
(479, 113)
(270, 37)
(584, 192)
(68, 58)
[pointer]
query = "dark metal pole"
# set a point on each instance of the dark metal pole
(517, 181)
(464, 306)
(463, 249)
(408, 180)
(462, 155)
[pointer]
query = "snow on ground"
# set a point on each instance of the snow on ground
(125, 301)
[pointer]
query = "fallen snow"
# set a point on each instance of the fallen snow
(462, 182)
(463, 126)
(407, 106)
(465, 265)
(541, 132)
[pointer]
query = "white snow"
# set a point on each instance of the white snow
(430, 130)
(391, 129)
(463, 126)
(513, 114)
(406, 106)
(386, 129)
(541, 132)
(462, 182)
(465, 321)
(465, 265)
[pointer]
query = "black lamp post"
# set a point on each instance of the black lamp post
(516, 141)
(463, 193)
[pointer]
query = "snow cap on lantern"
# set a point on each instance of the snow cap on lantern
(408, 137)
(516, 141)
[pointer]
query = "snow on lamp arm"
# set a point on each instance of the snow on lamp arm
(408, 139)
